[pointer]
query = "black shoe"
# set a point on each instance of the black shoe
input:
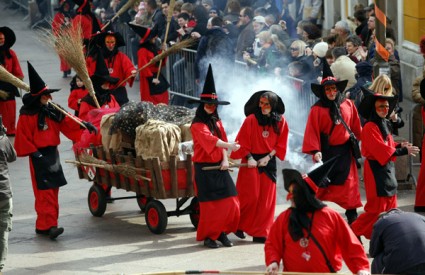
(224, 240)
(210, 243)
(240, 234)
(54, 232)
(259, 239)
(65, 74)
(42, 232)
(351, 215)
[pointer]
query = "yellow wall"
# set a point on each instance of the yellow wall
(414, 20)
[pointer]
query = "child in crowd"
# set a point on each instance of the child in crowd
(78, 91)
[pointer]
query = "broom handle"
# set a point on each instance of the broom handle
(236, 165)
(169, 16)
(130, 76)
(74, 118)
(229, 272)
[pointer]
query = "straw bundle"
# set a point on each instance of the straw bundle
(6, 76)
(68, 44)
(175, 48)
(123, 169)
(125, 7)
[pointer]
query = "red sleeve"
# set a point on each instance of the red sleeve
(204, 137)
(244, 140)
(127, 67)
(144, 56)
(24, 141)
(84, 109)
(73, 100)
(91, 65)
(311, 140)
(57, 23)
(282, 142)
(355, 124)
(274, 246)
(12, 65)
(71, 129)
(373, 145)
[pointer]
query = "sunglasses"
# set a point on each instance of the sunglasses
(294, 49)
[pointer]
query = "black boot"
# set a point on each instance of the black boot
(224, 240)
(240, 234)
(210, 243)
(259, 239)
(54, 232)
(351, 215)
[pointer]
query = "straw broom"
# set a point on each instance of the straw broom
(124, 169)
(175, 48)
(69, 46)
(6, 76)
(125, 7)
(169, 16)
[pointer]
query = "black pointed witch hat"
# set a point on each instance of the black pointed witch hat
(209, 95)
(315, 179)
(145, 33)
(101, 74)
(9, 36)
(37, 87)
(367, 105)
(328, 79)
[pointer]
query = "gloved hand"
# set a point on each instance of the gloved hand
(90, 127)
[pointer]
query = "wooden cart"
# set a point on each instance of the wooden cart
(172, 179)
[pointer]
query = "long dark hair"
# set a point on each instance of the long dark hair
(208, 119)
(274, 117)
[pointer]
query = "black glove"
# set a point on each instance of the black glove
(90, 127)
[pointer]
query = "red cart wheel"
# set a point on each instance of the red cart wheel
(97, 200)
(142, 201)
(195, 212)
(156, 217)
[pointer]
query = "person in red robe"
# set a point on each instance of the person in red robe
(118, 64)
(263, 137)
(380, 151)
(326, 136)
(87, 21)
(152, 89)
(9, 60)
(102, 82)
(216, 192)
(309, 236)
(420, 186)
(38, 136)
(78, 91)
(62, 19)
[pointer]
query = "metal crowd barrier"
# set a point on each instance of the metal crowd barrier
(23, 4)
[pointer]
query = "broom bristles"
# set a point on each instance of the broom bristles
(6, 76)
(124, 169)
(68, 44)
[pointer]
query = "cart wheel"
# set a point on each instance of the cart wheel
(195, 213)
(156, 217)
(142, 201)
(97, 200)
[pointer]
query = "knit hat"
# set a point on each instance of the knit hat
(259, 19)
(320, 49)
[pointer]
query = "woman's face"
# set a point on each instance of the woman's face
(389, 48)
(349, 46)
(265, 106)
(331, 91)
(382, 108)
(210, 108)
(295, 50)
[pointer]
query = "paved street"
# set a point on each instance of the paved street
(119, 242)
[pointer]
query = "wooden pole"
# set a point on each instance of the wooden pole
(230, 273)
(169, 17)
(74, 118)
(209, 168)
